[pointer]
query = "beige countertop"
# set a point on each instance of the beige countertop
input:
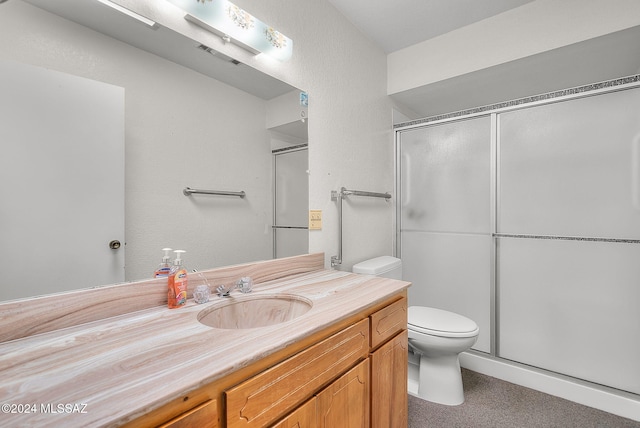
(107, 372)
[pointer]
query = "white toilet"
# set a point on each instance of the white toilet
(437, 337)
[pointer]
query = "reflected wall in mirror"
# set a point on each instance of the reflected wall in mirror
(182, 128)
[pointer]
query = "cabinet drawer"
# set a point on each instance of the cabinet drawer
(388, 322)
(203, 416)
(273, 393)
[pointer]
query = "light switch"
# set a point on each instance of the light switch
(315, 219)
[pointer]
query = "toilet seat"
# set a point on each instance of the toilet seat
(437, 322)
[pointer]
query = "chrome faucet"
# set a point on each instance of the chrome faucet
(244, 284)
(223, 291)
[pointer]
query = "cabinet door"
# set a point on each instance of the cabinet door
(203, 416)
(345, 403)
(389, 403)
(303, 417)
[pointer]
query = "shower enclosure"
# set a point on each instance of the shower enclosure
(291, 202)
(525, 217)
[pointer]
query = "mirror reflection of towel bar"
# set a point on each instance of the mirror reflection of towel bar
(188, 191)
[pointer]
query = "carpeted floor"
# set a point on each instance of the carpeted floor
(493, 403)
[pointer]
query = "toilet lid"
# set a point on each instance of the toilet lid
(440, 323)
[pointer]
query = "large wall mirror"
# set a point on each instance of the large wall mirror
(192, 117)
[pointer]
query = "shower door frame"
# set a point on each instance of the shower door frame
(493, 111)
(276, 223)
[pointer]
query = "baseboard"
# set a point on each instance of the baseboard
(616, 402)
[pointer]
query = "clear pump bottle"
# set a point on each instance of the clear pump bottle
(165, 267)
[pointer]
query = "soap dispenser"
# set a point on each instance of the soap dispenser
(163, 268)
(177, 283)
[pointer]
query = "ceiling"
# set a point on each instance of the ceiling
(393, 25)
(397, 24)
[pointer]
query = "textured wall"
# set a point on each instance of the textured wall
(182, 129)
(350, 125)
(350, 138)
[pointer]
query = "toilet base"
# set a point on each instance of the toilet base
(440, 380)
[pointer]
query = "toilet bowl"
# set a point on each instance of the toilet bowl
(438, 337)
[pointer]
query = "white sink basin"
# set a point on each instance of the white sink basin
(255, 311)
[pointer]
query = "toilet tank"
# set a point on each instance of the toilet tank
(385, 266)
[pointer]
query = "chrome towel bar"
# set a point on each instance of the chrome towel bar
(188, 191)
(339, 196)
(344, 192)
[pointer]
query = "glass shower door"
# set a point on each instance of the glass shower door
(445, 218)
(291, 202)
(568, 271)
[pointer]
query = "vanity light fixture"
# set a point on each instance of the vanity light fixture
(146, 21)
(224, 36)
(218, 55)
(237, 26)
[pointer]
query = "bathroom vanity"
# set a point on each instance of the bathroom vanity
(343, 358)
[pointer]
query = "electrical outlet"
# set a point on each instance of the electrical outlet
(315, 219)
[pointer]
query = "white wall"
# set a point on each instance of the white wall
(350, 139)
(350, 119)
(285, 109)
(536, 27)
(182, 129)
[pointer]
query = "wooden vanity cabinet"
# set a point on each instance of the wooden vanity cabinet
(374, 393)
(303, 417)
(389, 366)
(344, 403)
(203, 416)
(389, 370)
(352, 374)
(266, 397)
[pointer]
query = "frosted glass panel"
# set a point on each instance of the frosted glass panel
(445, 177)
(291, 203)
(572, 307)
(291, 242)
(292, 188)
(571, 168)
(451, 272)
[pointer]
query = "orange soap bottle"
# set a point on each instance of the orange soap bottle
(177, 292)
